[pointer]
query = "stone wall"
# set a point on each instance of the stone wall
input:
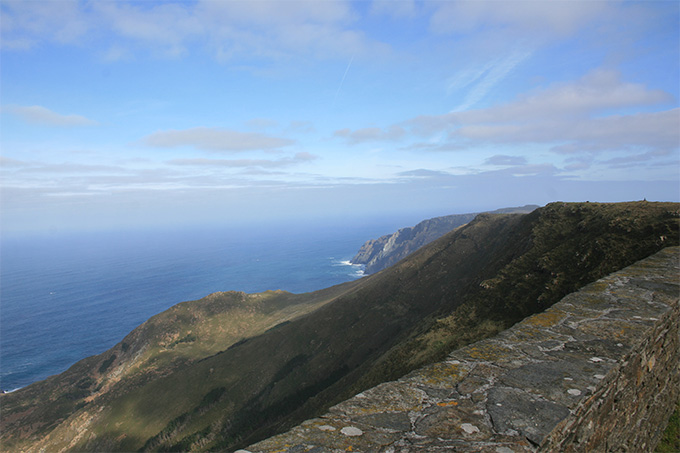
(598, 371)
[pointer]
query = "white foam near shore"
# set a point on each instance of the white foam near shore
(13, 390)
(358, 269)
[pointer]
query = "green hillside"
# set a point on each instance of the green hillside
(230, 369)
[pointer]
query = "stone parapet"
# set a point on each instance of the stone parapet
(598, 371)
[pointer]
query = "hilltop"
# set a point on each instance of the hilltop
(377, 254)
(233, 368)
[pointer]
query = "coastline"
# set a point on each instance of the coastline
(67, 298)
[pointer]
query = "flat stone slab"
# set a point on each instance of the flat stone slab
(529, 388)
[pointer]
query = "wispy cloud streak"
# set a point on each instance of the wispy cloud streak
(483, 80)
(342, 81)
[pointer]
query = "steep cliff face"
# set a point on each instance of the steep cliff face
(231, 369)
(377, 254)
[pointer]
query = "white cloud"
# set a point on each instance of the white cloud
(26, 24)
(37, 114)
(636, 159)
(266, 29)
(215, 139)
(164, 26)
(371, 134)
(272, 13)
(434, 146)
(521, 18)
(521, 170)
(580, 166)
(116, 53)
(658, 130)
(502, 160)
(596, 91)
(398, 9)
(262, 123)
(8, 162)
(245, 163)
(574, 117)
(72, 168)
(423, 173)
(301, 127)
(275, 29)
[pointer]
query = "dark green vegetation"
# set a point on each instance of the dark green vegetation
(670, 441)
(230, 369)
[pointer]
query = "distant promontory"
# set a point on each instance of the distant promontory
(378, 254)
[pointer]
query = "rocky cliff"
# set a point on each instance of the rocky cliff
(377, 254)
(231, 369)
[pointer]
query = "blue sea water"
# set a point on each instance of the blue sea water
(64, 297)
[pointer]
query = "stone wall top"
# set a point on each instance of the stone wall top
(562, 377)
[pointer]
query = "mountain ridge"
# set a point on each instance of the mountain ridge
(314, 349)
(377, 254)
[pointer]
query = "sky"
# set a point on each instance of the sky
(126, 114)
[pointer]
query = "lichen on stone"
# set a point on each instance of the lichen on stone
(548, 318)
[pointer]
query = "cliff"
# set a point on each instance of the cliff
(598, 371)
(378, 254)
(231, 369)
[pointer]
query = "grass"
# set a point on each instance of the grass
(670, 441)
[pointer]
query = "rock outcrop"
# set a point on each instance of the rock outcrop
(598, 371)
(377, 254)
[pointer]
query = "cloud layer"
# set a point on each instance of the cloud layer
(383, 106)
(549, 18)
(579, 116)
(37, 114)
(215, 139)
(370, 134)
(245, 163)
(264, 29)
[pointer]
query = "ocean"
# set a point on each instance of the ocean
(64, 297)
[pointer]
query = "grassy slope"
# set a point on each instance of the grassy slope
(267, 377)
(547, 255)
(670, 441)
(471, 283)
(568, 246)
(181, 335)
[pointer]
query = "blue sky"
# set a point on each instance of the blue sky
(124, 114)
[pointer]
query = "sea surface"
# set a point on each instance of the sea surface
(64, 297)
